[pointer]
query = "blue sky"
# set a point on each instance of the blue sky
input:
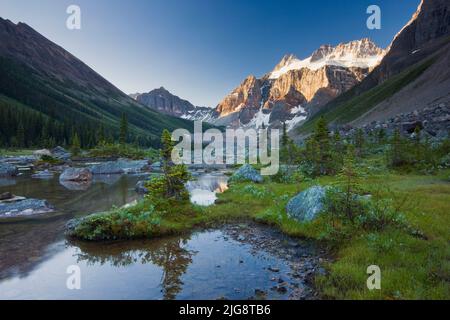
(201, 49)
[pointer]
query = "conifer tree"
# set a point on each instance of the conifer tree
(123, 129)
(417, 134)
(381, 136)
(322, 142)
(285, 137)
(171, 185)
(345, 200)
(359, 142)
(338, 151)
(101, 137)
(20, 135)
(75, 147)
(396, 153)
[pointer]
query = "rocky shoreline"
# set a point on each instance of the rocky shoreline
(304, 259)
(45, 164)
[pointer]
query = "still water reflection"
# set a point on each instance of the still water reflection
(34, 255)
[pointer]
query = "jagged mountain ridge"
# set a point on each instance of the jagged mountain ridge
(355, 54)
(165, 102)
(44, 77)
(296, 89)
(414, 74)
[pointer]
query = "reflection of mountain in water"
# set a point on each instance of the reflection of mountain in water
(170, 254)
(210, 183)
(26, 243)
(203, 190)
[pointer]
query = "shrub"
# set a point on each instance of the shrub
(322, 154)
(117, 150)
(171, 184)
(288, 174)
(417, 154)
(50, 159)
(378, 214)
(124, 223)
(257, 192)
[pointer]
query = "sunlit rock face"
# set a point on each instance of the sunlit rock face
(298, 88)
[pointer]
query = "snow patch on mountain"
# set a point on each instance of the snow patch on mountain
(260, 120)
(300, 114)
(359, 54)
(199, 114)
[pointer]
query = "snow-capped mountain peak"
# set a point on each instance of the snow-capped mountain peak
(361, 54)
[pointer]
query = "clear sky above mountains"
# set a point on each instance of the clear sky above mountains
(201, 49)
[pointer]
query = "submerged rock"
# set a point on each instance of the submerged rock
(247, 173)
(76, 185)
(307, 204)
(24, 207)
(108, 179)
(120, 167)
(76, 174)
(43, 175)
(8, 170)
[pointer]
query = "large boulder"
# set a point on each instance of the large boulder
(61, 153)
(76, 174)
(42, 153)
(307, 204)
(410, 127)
(247, 173)
(120, 167)
(8, 170)
(24, 207)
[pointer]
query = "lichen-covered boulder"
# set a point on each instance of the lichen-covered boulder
(76, 174)
(8, 170)
(247, 173)
(307, 205)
